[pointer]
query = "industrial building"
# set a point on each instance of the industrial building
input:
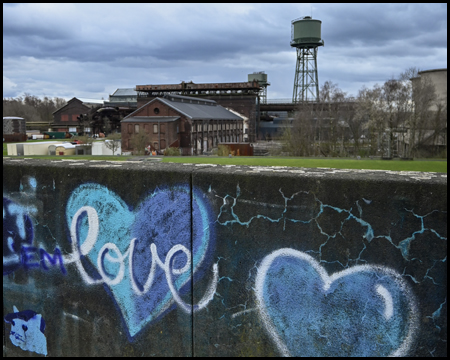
(242, 97)
(192, 124)
(65, 118)
(433, 139)
(123, 100)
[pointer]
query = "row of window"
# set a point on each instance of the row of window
(216, 139)
(135, 128)
(65, 117)
(214, 127)
(146, 128)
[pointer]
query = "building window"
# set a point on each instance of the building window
(156, 110)
(72, 129)
(130, 129)
(64, 117)
(136, 128)
(155, 128)
(74, 118)
(162, 129)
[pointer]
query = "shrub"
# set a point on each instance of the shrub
(223, 150)
(172, 151)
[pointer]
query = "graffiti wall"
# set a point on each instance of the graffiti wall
(157, 260)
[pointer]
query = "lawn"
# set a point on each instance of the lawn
(434, 165)
(73, 157)
(338, 163)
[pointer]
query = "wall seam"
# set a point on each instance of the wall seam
(191, 181)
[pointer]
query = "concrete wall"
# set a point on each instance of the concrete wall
(149, 259)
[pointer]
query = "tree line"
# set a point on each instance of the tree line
(32, 108)
(399, 118)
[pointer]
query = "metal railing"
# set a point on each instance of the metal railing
(279, 101)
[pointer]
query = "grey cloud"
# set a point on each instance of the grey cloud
(168, 43)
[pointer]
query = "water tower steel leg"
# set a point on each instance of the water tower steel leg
(316, 74)
(306, 78)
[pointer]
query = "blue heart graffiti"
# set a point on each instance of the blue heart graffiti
(144, 256)
(361, 311)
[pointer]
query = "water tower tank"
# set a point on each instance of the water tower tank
(306, 31)
(260, 76)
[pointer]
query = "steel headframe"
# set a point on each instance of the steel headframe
(306, 84)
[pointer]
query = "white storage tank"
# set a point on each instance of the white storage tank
(65, 149)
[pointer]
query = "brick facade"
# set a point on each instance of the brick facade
(65, 118)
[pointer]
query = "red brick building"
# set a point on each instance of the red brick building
(194, 125)
(65, 118)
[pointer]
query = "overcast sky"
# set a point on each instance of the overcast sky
(90, 50)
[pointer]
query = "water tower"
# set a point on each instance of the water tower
(261, 77)
(306, 37)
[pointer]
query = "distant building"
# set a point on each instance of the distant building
(243, 97)
(123, 98)
(65, 118)
(431, 140)
(193, 124)
(437, 77)
(14, 129)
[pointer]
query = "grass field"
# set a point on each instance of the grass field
(396, 165)
(424, 165)
(73, 157)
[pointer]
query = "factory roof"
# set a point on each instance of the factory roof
(193, 108)
(125, 92)
(150, 119)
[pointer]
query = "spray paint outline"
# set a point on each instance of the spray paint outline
(327, 279)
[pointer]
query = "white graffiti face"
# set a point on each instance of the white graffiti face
(361, 311)
(27, 331)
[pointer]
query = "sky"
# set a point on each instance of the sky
(90, 50)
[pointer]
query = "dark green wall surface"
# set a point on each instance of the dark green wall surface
(145, 259)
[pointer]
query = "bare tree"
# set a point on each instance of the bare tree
(322, 128)
(331, 118)
(139, 141)
(298, 137)
(86, 140)
(32, 108)
(113, 142)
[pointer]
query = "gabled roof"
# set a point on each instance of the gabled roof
(74, 99)
(193, 108)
